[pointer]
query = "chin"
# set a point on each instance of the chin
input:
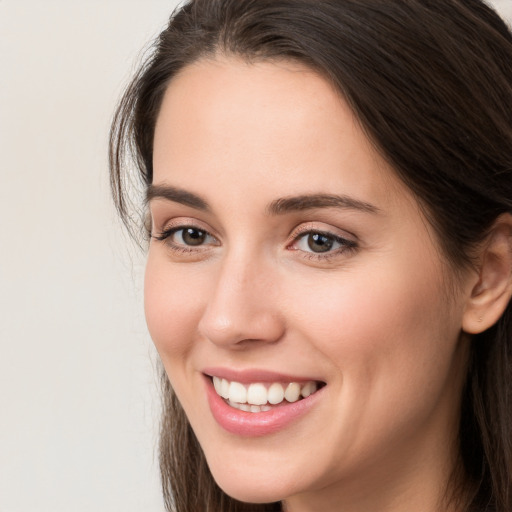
(250, 491)
(246, 483)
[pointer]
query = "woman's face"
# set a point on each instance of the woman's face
(285, 250)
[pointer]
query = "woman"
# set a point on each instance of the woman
(328, 189)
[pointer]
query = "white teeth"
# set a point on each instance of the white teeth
(257, 394)
(217, 384)
(292, 392)
(308, 389)
(249, 408)
(238, 393)
(275, 393)
(224, 388)
(256, 397)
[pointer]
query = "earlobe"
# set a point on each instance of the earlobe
(492, 291)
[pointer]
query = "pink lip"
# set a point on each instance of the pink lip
(250, 424)
(254, 375)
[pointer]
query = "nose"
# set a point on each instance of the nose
(243, 305)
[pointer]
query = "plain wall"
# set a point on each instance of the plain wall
(78, 388)
(78, 391)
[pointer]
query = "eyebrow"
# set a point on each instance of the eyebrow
(176, 195)
(277, 207)
(312, 201)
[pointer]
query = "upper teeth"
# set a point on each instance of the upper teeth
(261, 394)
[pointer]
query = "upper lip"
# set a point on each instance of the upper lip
(254, 375)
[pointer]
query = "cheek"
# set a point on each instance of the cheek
(381, 332)
(392, 344)
(171, 307)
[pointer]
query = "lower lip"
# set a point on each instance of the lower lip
(254, 424)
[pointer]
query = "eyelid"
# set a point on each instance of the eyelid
(182, 223)
(348, 242)
(315, 227)
(165, 234)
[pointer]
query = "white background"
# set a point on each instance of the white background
(78, 392)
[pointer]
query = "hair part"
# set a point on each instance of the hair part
(430, 82)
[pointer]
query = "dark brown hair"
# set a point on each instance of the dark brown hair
(431, 84)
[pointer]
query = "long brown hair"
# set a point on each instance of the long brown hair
(431, 84)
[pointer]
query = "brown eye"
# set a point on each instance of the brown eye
(191, 236)
(186, 237)
(319, 242)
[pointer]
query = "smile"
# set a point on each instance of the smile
(259, 397)
(256, 402)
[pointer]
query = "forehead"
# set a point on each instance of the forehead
(270, 126)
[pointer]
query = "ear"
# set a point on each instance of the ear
(492, 286)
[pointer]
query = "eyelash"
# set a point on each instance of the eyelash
(166, 237)
(346, 245)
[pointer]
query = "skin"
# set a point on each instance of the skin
(379, 322)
